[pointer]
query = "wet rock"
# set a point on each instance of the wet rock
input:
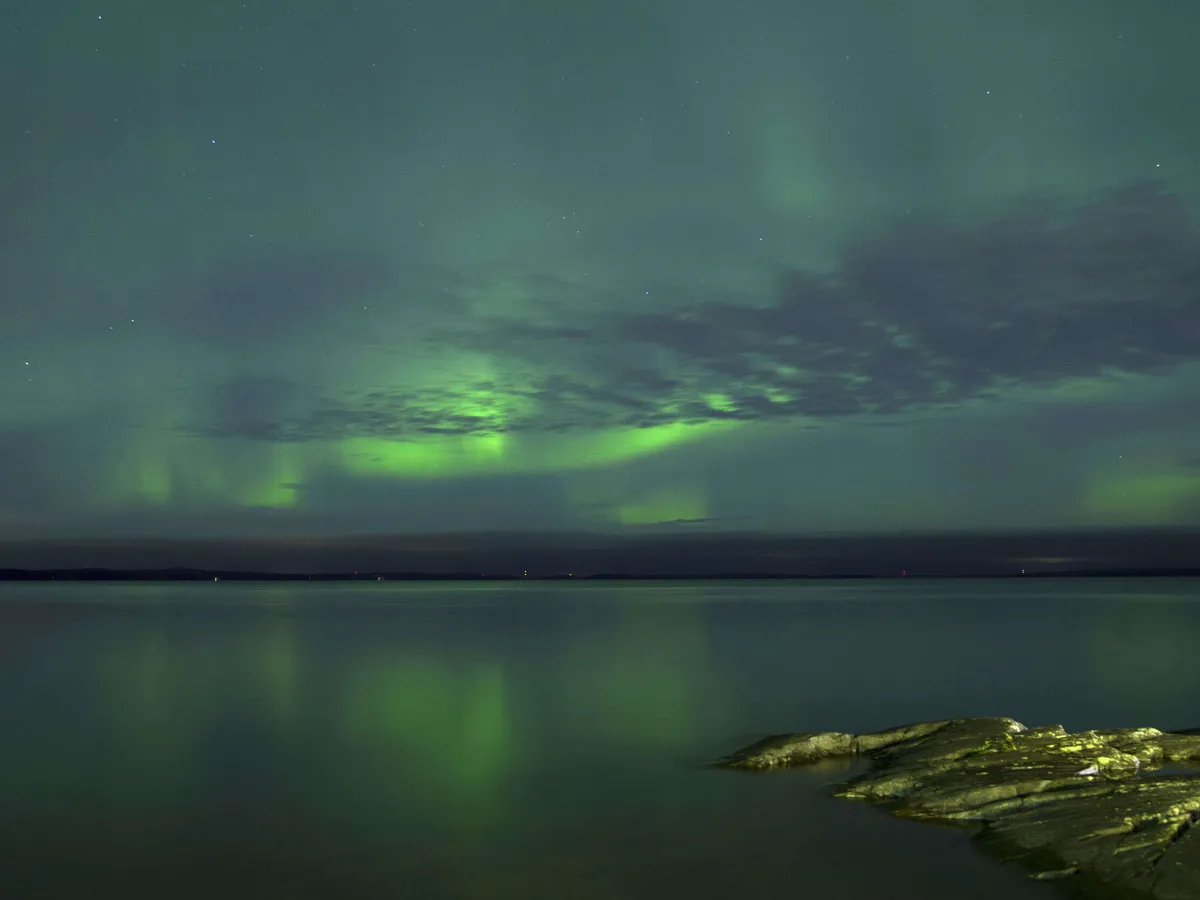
(1115, 809)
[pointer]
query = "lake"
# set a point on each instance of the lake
(530, 739)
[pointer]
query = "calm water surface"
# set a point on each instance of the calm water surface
(528, 740)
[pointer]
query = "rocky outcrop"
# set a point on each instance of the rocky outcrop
(1114, 811)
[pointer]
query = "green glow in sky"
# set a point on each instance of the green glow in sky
(1147, 499)
(760, 265)
(445, 457)
(180, 470)
(666, 505)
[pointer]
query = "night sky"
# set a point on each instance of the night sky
(786, 265)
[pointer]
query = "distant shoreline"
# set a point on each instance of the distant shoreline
(174, 575)
(581, 556)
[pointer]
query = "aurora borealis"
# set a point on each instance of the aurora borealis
(278, 269)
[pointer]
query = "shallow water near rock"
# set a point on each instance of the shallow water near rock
(530, 740)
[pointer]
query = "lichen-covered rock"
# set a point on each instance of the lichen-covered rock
(1095, 806)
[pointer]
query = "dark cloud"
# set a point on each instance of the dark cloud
(918, 316)
(934, 314)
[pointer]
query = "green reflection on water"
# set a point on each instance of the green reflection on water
(452, 724)
(543, 748)
(204, 731)
(651, 681)
(273, 662)
(420, 736)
